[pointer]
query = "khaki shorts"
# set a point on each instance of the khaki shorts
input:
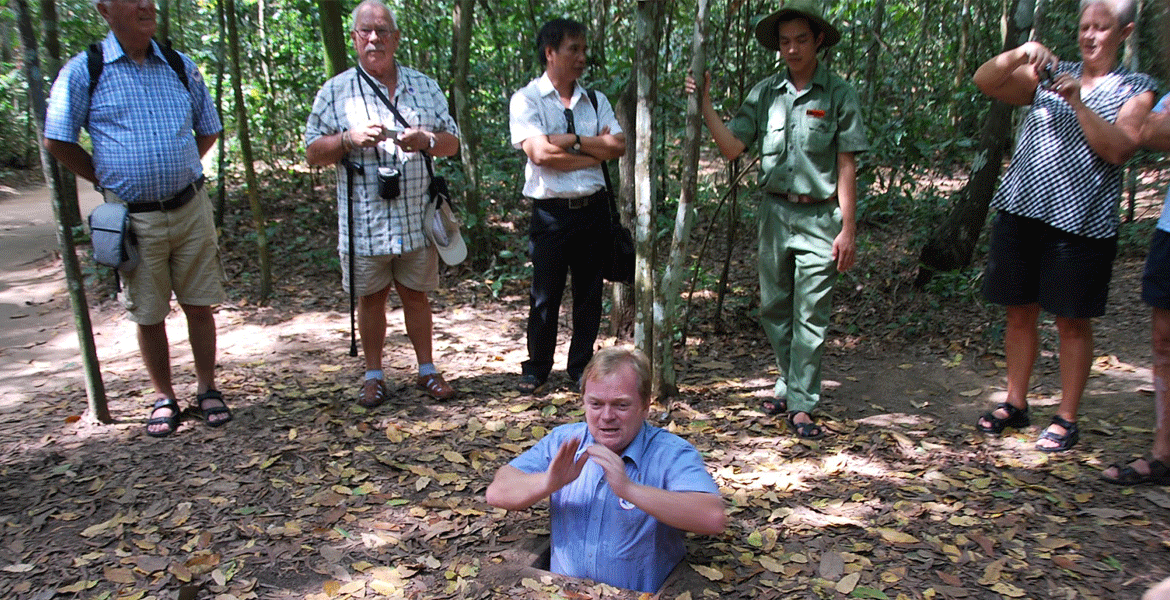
(418, 270)
(180, 253)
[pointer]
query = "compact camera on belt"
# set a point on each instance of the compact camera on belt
(389, 183)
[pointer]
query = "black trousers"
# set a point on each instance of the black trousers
(563, 240)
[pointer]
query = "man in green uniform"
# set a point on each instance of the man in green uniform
(806, 123)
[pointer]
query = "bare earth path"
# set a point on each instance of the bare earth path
(305, 495)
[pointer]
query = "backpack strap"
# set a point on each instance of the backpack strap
(96, 62)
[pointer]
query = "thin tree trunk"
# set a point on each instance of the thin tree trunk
(685, 217)
(621, 317)
(952, 245)
(872, 53)
(646, 49)
(94, 389)
(258, 220)
(464, 21)
(221, 158)
(333, 37)
(164, 20)
(71, 210)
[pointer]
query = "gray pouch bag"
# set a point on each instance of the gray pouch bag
(114, 242)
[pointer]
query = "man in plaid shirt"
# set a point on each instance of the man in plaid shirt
(352, 119)
(149, 129)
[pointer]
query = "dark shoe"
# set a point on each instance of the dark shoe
(1016, 417)
(1159, 473)
(530, 384)
(210, 414)
(774, 406)
(435, 386)
(373, 393)
(171, 420)
(1063, 442)
(575, 385)
(808, 431)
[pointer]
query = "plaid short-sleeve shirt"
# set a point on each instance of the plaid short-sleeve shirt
(381, 227)
(142, 121)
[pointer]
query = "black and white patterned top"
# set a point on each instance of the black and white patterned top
(1055, 176)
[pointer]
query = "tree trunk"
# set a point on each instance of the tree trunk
(164, 20)
(258, 219)
(874, 50)
(71, 211)
(599, 15)
(646, 49)
(952, 245)
(221, 158)
(621, 317)
(1132, 52)
(469, 154)
(333, 37)
(94, 389)
(685, 217)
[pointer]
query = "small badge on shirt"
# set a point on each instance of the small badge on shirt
(626, 504)
(815, 112)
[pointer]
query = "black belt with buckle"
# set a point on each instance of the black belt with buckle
(177, 201)
(570, 203)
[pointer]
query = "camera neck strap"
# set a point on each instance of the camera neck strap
(397, 115)
(613, 212)
(604, 165)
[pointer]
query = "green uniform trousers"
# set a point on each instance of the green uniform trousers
(797, 272)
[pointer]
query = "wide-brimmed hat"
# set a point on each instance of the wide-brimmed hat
(441, 227)
(766, 30)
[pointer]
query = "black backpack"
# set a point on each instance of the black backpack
(96, 63)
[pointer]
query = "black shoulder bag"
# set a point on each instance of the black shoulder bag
(619, 266)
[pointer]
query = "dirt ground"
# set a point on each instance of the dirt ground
(307, 495)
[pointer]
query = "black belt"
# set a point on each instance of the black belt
(177, 201)
(570, 203)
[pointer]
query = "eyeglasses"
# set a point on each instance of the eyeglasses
(569, 119)
(366, 33)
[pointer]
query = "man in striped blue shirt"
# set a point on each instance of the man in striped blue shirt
(149, 129)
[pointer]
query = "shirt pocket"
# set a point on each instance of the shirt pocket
(775, 131)
(821, 132)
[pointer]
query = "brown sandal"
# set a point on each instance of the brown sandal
(436, 387)
(373, 393)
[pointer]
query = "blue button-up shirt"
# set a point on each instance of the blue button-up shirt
(599, 536)
(141, 119)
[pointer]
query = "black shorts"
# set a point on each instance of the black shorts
(1156, 278)
(1033, 262)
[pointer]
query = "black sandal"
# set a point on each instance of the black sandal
(1127, 475)
(1063, 442)
(1016, 417)
(205, 414)
(774, 406)
(529, 384)
(171, 421)
(808, 431)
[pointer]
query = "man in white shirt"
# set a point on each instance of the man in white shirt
(566, 137)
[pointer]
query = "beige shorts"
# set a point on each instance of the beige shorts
(418, 270)
(180, 254)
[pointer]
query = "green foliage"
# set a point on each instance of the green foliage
(18, 146)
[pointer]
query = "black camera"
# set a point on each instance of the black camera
(389, 183)
(1046, 78)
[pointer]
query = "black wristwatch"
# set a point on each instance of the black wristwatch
(576, 143)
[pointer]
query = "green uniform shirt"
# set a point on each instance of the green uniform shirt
(800, 133)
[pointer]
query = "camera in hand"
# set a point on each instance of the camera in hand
(1046, 78)
(389, 183)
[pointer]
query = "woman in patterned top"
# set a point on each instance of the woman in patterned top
(1055, 232)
